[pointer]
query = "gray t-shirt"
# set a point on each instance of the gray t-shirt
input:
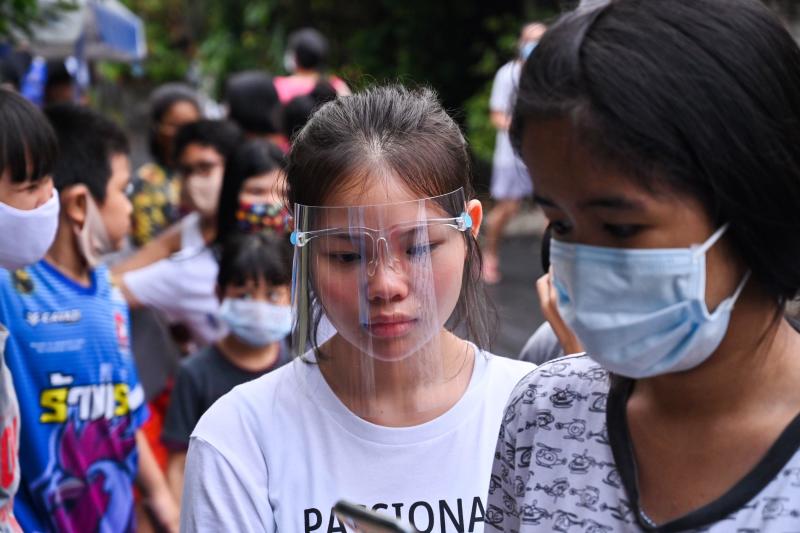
(543, 346)
(201, 380)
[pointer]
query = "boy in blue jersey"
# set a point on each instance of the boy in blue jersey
(28, 221)
(81, 404)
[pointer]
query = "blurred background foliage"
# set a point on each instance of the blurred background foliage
(454, 46)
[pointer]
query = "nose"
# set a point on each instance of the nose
(386, 283)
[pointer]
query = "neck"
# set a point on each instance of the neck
(208, 227)
(755, 367)
(408, 392)
(65, 255)
(246, 357)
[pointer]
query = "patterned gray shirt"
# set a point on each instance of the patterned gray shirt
(563, 463)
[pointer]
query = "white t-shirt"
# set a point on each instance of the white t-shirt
(182, 286)
(564, 462)
(268, 457)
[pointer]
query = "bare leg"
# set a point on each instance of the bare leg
(497, 220)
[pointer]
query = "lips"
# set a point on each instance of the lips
(388, 326)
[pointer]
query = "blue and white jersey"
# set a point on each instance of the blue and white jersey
(80, 399)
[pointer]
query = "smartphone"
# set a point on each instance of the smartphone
(361, 520)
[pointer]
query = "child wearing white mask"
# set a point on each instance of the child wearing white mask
(661, 139)
(28, 220)
(69, 352)
(253, 286)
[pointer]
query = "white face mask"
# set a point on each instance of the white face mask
(256, 323)
(26, 235)
(203, 191)
(93, 238)
(289, 63)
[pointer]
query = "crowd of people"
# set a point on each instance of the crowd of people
(313, 262)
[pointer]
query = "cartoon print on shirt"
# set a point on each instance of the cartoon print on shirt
(599, 402)
(555, 370)
(494, 516)
(521, 485)
(621, 512)
(533, 515)
(524, 456)
(542, 420)
(613, 479)
(596, 527)
(588, 497)
(575, 429)
(548, 457)
(557, 490)
(494, 483)
(599, 436)
(581, 463)
(794, 474)
(510, 504)
(566, 398)
(776, 507)
(597, 373)
(564, 521)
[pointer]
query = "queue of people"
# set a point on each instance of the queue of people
(316, 259)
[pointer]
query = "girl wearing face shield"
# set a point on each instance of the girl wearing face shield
(383, 404)
(661, 138)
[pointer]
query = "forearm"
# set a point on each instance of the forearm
(152, 483)
(175, 469)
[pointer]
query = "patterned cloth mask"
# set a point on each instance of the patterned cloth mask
(255, 218)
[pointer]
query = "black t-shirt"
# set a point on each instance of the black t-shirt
(201, 380)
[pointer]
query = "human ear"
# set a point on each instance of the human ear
(475, 212)
(74, 202)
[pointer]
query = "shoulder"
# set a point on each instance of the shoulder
(242, 410)
(574, 385)
(507, 369)
(199, 361)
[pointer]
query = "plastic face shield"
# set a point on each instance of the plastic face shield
(386, 278)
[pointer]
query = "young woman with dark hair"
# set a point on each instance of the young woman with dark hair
(306, 62)
(156, 192)
(393, 410)
(661, 138)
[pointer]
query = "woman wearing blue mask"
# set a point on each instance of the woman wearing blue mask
(253, 287)
(661, 138)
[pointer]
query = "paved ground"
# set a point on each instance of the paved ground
(515, 296)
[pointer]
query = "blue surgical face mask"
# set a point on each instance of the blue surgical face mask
(640, 312)
(256, 323)
(526, 49)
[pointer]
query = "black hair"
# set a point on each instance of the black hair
(253, 102)
(221, 135)
(298, 110)
(696, 96)
(87, 140)
(310, 48)
(161, 101)
(409, 133)
(253, 257)
(253, 158)
(28, 145)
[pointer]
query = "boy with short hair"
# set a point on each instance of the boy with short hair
(69, 352)
(28, 220)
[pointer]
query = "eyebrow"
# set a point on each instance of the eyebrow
(605, 202)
